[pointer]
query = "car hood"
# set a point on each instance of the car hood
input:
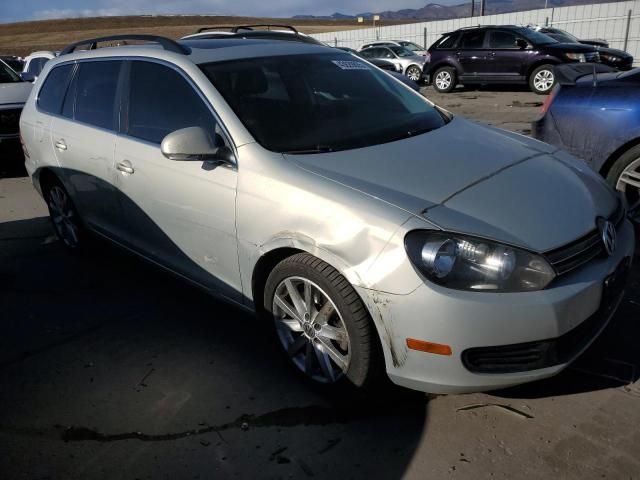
(477, 180)
(17, 92)
(614, 51)
(571, 47)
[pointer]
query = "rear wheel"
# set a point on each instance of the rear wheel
(321, 322)
(444, 79)
(64, 216)
(624, 176)
(542, 79)
(414, 73)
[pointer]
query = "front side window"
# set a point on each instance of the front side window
(320, 102)
(501, 39)
(52, 93)
(161, 101)
(7, 75)
(94, 90)
(473, 39)
(448, 42)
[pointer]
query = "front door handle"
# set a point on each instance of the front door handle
(60, 145)
(125, 167)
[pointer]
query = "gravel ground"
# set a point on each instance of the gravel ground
(110, 368)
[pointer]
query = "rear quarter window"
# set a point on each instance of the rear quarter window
(55, 86)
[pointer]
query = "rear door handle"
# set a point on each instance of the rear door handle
(125, 167)
(60, 145)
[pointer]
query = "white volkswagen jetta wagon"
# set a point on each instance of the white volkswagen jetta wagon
(372, 228)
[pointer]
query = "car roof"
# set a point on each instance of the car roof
(200, 51)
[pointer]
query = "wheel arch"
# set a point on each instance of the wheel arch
(539, 63)
(45, 177)
(613, 157)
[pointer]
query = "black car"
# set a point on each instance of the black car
(609, 56)
(505, 54)
(16, 63)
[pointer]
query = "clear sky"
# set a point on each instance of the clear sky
(18, 10)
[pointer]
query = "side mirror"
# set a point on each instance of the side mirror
(194, 143)
(521, 43)
(28, 77)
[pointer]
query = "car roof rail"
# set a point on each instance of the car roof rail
(238, 28)
(164, 42)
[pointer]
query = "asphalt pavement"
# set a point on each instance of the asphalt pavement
(110, 368)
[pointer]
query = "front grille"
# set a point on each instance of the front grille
(583, 250)
(10, 121)
(528, 356)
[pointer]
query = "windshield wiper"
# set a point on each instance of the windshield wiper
(317, 149)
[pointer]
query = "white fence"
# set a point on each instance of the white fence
(619, 23)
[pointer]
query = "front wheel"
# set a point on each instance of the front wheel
(542, 79)
(321, 322)
(444, 79)
(414, 73)
(624, 176)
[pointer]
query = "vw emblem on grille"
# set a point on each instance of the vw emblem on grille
(608, 233)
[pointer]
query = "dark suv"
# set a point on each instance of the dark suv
(500, 54)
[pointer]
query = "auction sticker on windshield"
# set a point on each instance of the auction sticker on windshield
(350, 65)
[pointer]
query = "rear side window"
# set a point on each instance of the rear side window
(161, 101)
(473, 39)
(52, 93)
(95, 87)
(448, 42)
(500, 39)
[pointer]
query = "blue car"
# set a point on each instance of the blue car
(594, 113)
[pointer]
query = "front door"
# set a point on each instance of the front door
(506, 57)
(180, 214)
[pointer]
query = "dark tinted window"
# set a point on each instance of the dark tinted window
(161, 101)
(473, 39)
(502, 40)
(95, 93)
(52, 93)
(7, 75)
(448, 42)
(320, 102)
(36, 65)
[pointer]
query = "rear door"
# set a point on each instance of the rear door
(472, 55)
(505, 58)
(83, 139)
(180, 214)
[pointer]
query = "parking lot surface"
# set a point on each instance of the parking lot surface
(110, 368)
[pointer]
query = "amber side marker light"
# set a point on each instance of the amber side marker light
(428, 347)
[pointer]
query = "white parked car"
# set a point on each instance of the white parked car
(375, 231)
(13, 94)
(34, 63)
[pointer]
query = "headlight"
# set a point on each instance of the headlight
(578, 57)
(469, 263)
(609, 58)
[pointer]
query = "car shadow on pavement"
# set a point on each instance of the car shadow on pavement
(111, 368)
(11, 161)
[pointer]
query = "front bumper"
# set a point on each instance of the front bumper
(469, 321)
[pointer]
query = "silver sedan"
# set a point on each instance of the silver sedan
(410, 63)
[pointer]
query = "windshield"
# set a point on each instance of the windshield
(536, 37)
(412, 46)
(7, 75)
(401, 51)
(562, 36)
(320, 102)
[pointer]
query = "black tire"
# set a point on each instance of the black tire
(542, 79)
(365, 367)
(631, 193)
(444, 79)
(70, 231)
(414, 72)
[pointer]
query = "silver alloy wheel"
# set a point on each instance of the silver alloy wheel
(443, 80)
(543, 80)
(413, 73)
(311, 329)
(629, 184)
(63, 216)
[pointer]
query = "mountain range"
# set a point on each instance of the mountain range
(435, 11)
